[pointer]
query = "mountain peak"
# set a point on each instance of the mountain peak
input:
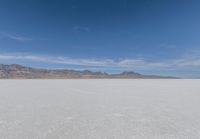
(15, 71)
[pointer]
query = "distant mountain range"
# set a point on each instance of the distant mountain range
(15, 71)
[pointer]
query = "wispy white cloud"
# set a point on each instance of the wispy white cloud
(15, 37)
(81, 28)
(137, 63)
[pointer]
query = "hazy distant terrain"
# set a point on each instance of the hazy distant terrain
(15, 71)
(100, 109)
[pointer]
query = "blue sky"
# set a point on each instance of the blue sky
(147, 36)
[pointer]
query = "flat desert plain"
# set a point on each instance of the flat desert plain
(100, 109)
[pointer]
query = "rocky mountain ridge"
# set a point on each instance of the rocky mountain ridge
(15, 71)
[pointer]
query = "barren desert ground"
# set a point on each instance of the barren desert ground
(100, 109)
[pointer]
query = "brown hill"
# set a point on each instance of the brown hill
(15, 71)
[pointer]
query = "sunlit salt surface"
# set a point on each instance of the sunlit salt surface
(100, 109)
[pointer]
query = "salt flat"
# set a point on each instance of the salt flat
(100, 109)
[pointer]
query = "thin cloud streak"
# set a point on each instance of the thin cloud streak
(81, 29)
(15, 37)
(138, 63)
